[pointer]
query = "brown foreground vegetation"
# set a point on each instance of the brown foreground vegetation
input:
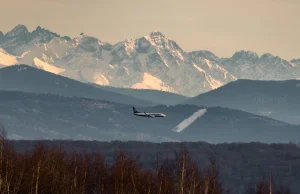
(45, 170)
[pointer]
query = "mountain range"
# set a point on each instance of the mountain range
(155, 96)
(33, 80)
(38, 104)
(57, 87)
(54, 87)
(150, 62)
(275, 99)
(49, 116)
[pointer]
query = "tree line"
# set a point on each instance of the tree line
(53, 170)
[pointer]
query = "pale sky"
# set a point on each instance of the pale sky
(220, 26)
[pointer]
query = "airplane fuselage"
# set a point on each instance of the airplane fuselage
(149, 115)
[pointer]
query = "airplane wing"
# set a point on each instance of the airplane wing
(149, 115)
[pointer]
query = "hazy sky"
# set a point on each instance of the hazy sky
(221, 26)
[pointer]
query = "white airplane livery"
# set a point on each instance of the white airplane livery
(149, 115)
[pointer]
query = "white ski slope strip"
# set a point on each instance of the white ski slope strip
(187, 122)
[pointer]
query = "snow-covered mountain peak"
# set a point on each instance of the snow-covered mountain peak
(87, 43)
(39, 31)
(46, 35)
(271, 59)
(245, 55)
(17, 31)
(156, 33)
(165, 48)
(20, 40)
(89, 40)
(153, 61)
(157, 38)
(268, 56)
(123, 49)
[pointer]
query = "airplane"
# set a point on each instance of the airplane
(149, 115)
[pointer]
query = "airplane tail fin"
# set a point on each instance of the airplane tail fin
(134, 110)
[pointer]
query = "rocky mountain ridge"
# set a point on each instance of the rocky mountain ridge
(150, 62)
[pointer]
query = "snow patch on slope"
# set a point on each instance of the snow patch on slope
(50, 68)
(25, 53)
(212, 83)
(100, 79)
(151, 82)
(129, 46)
(198, 68)
(208, 63)
(7, 59)
(90, 75)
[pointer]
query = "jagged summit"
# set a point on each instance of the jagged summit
(268, 56)
(153, 61)
(19, 40)
(85, 39)
(39, 28)
(297, 61)
(245, 55)
(158, 38)
(17, 30)
(156, 33)
(21, 29)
